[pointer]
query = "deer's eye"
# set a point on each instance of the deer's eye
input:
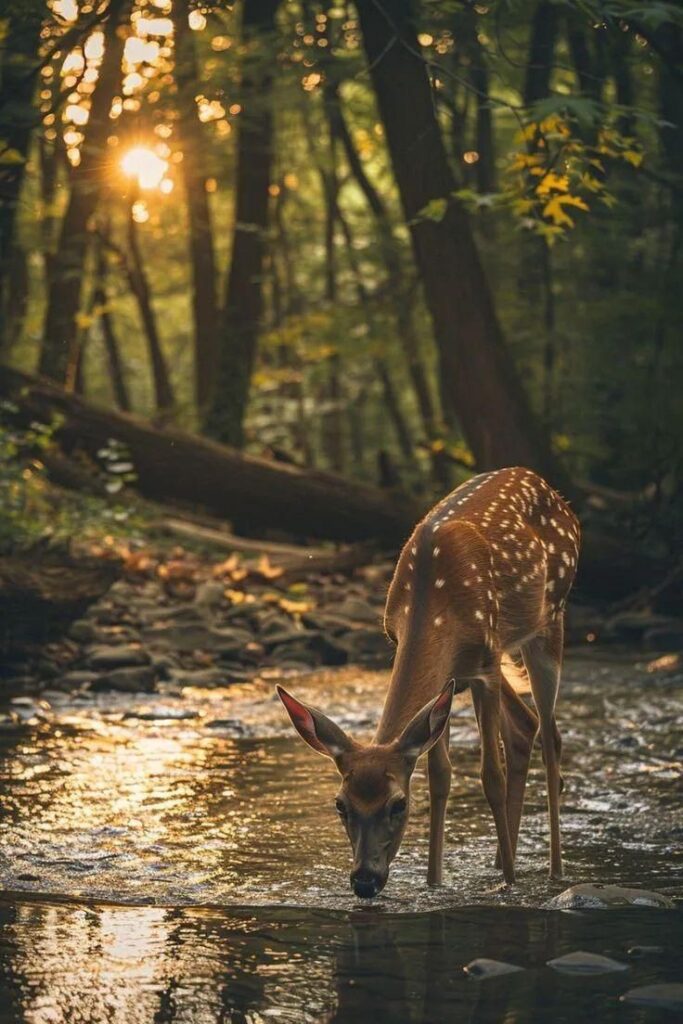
(398, 807)
(341, 808)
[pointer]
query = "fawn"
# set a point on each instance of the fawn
(484, 574)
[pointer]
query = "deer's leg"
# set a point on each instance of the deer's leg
(518, 726)
(543, 660)
(439, 769)
(486, 700)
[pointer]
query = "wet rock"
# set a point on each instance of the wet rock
(298, 649)
(83, 632)
(593, 896)
(357, 610)
(197, 637)
(367, 647)
(483, 968)
(581, 962)
(117, 657)
(199, 677)
(162, 714)
(229, 726)
(233, 672)
(76, 679)
(164, 664)
(330, 625)
(639, 952)
(662, 997)
(137, 679)
(209, 595)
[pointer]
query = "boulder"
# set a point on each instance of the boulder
(138, 679)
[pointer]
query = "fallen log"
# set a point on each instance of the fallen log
(253, 493)
(295, 561)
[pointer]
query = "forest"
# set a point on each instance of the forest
(276, 278)
(236, 221)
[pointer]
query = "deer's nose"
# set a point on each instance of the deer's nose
(366, 884)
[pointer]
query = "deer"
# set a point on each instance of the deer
(483, 579)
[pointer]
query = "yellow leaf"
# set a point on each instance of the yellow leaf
(552, 183)
(296, 607)
(554, 209)
(633, 157)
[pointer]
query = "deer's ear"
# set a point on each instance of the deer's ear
(315, 728)
(423, 731)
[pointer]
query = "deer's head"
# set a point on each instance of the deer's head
(373, 801)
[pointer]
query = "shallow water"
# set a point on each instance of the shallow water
(205, 805)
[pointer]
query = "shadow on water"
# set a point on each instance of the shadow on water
(176, 857)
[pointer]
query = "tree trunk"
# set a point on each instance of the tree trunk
(111, 344)
(163, 389)
(539, 67)
(18, 117)
(201, 245)
(64, 291)
(480, 387)
(243, 308)
(174, 466)
(397, 286)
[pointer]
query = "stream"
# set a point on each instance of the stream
(176, 857)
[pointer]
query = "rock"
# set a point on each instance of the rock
(637, 952)
(164, 664)
(82, 631)
(663, 997)
(367, 647)
(163, 714)
(197, 637)
(632, 626)
(298, 650)
(209, 595)
(589, 896)
(356, 610)
(199, 677)
(117, 657)
(74, 680)
(483, 968)
(581, 962)
(134, 679)
(229, 726)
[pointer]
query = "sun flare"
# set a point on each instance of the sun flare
(144, 165)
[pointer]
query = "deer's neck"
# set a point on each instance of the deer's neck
(422, 667)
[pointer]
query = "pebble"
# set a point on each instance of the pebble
(483, 968)
(581, 962)
(662, 997)
(593, 896)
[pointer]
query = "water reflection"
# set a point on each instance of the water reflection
(62, 964)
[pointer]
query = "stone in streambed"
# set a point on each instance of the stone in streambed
(210, 595)
(584, 963)
(661, 997)
(137, 679)
(483, 968)
(356, 610)
(199, 677)
(367, 647)
(104, 658)
(190, 636)
(593, 896)
(76, 679)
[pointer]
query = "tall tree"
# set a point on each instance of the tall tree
(18, 117)
(243, 306)
(201, 243)
(480, 386)
(60, 331)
